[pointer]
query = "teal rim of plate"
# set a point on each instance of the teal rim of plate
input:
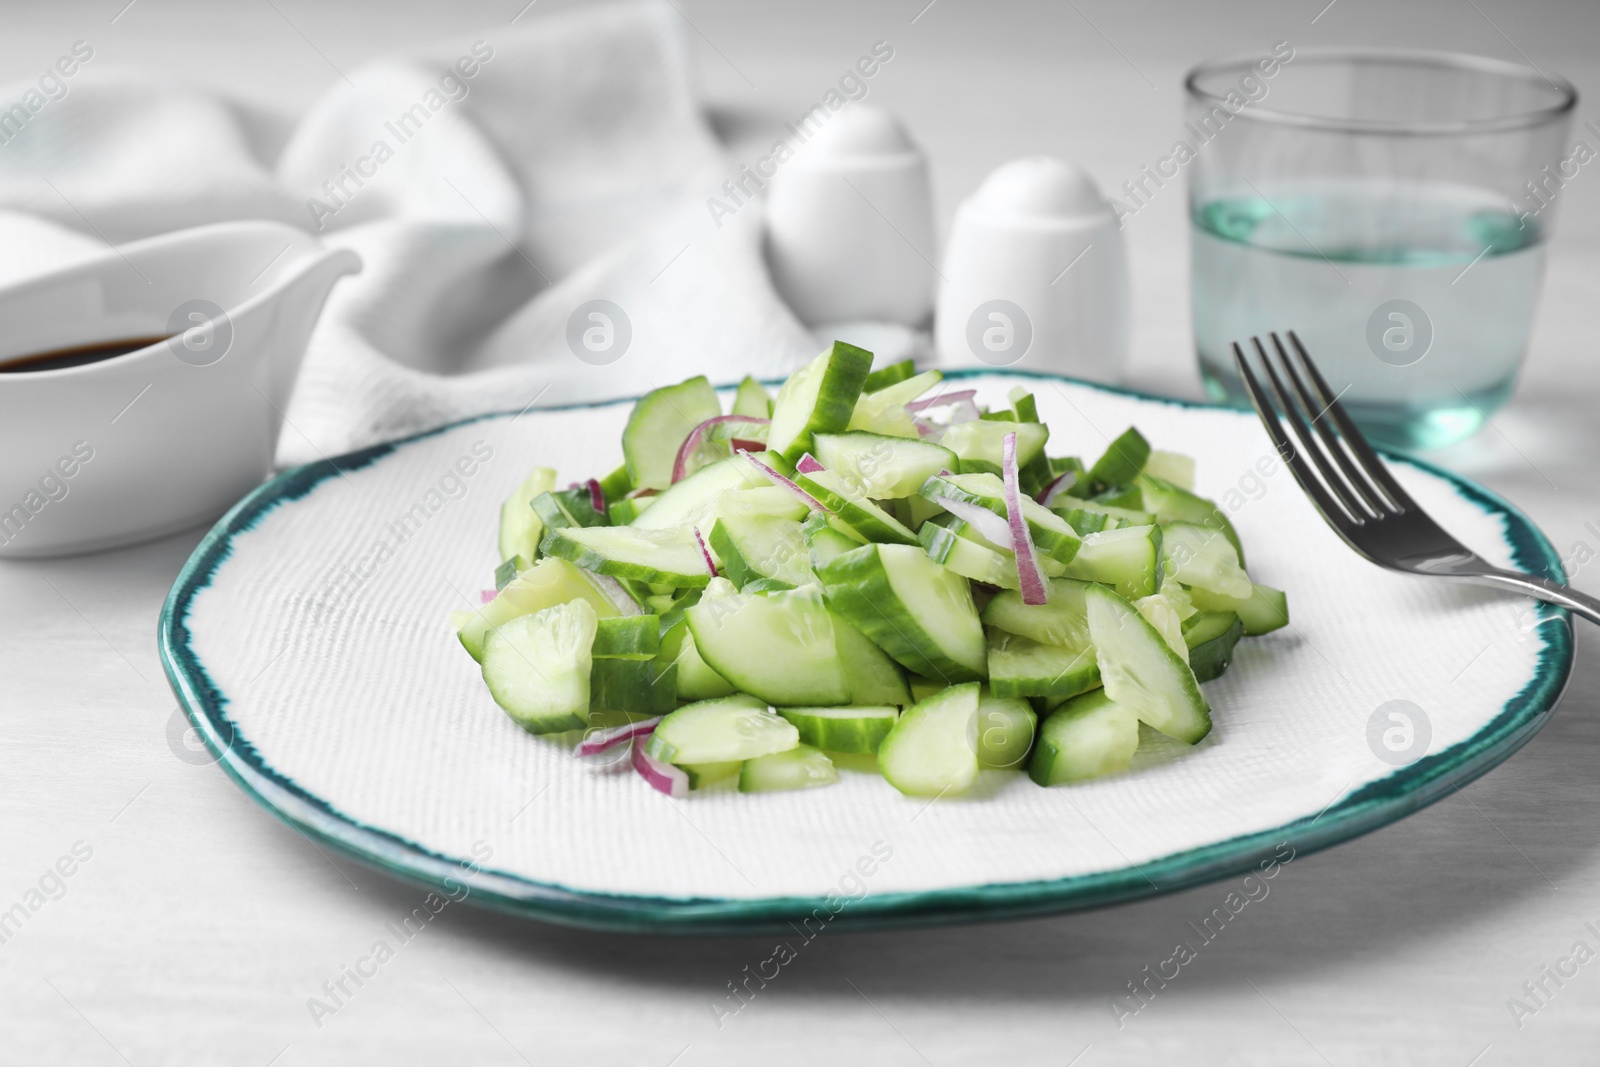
(1376, 804)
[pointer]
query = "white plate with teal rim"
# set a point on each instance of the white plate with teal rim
(308, 639)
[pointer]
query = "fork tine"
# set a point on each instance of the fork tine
(1377, 506)
(1297, 422)
(1285, 448)
(1353, 437)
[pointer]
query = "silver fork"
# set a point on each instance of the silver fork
(1357, 495)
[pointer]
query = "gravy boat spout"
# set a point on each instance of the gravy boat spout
(97, 452)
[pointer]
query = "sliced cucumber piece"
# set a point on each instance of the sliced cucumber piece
(884, 411)
(1203, 558)
(824, 539)
(933, 748)
(854, 510)
(1005, 731)
(616, 485)
(693, 501)
(560, 508)
(1051, 534)
(1129, 560)
(624, 511)
(818, 398)
(537, 667)
(1141, 673)
(761, 552)
(547, 583)
(981, 562)
(1161, 614)
(981, 442)
(1087, 737)
(801, 767)
(1263, 611)
(637, 686)
(779, 646)
(671, 557)
(1211, 637)
(923, 688)
(888, 375)
(658, 425)
(1063, 620)
(1173, 468)
(628, 637)
(870, 675)
(703, 775)
(880, 466)
(508, 570)
(696, 679)
(1170, 502)
(919, 612)
(739, 727)
(520, 527)
(1022, 667)
(763, 502)
(1122, 462)
(1067, 506)
(752, 399)
(852, 729)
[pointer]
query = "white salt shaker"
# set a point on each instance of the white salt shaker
(1035, 276)
(849, 221)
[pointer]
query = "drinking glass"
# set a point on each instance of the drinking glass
(1391, 207)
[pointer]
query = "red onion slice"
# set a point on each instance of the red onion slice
(1030, 579)
(990, 527)
(742, 445)
(777, 479)
(681, 464)
(1058, 487)
(705, 553)
(940, 400)
(488, 595)
(808, 464)
(673, 781)
(615, 593)
(596, 496)
(605, 740)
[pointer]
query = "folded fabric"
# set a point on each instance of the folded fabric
(529, 205)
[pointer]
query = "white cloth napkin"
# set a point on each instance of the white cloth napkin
(524, 174)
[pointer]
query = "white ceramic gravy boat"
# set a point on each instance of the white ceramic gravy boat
(162, 438)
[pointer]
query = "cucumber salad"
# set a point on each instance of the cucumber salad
(868, 570)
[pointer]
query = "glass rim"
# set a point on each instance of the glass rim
(1567, 94)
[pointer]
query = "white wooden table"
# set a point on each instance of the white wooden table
(197, 927)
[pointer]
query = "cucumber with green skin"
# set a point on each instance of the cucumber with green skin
(704, 775)
(801, 767)
(567, 508)
(1129, 560)
(1141, 673)
(779, 646)
(627, 637)
(884, 411)
(547, 583)
(880, 466)
(640, 687)
(1087, 737)
(1211, 637)
(623, 512)
(752, 399)
(669, 556)
(1050, 532)
(1203, 558)
(848, 729)
(979, 562)
(1022, 667)
(888, 375)
(818, 398)
(1124, 458)
(1005, 731)
(658, 425)
(825, 540)
(738, 727)
(933, 748)
(869, 674)
(508, 570)
(520, 526)
(616, 485)
(1266, 609)
(692, 502)
(1173, 503)
(1121, 517)
(981, 443)
(537, 667)
(761, 550)
(696, 678)
(1062, 620)
(854, 510)
(917, 611)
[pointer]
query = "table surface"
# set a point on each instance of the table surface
(199, 926)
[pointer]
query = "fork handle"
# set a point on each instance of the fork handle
(1539, 588)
